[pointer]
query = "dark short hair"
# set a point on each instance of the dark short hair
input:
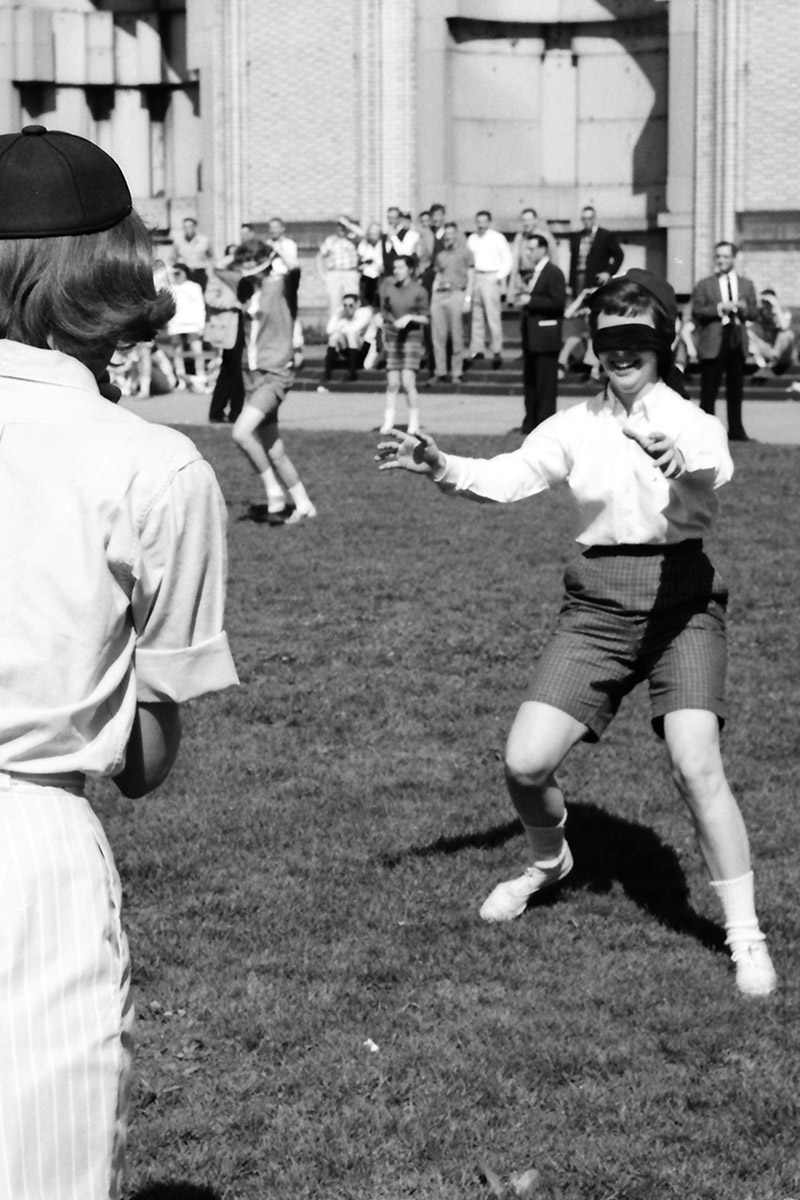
(727, 242)
(483, 212)
(350, 296)
(254, 249)
(450, 225)
(424, 212)
(589, 208)
(404, 258)
(530, 210)
(85, 294)
(622, 297)
(179, 266)
(436, 208)
(538, 238)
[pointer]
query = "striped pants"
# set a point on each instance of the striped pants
(65, 1013)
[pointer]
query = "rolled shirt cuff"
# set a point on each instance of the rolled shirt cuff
(178, 675)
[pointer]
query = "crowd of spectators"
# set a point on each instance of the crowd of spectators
(469, 277)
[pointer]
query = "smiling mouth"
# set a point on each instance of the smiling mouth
(627, 363)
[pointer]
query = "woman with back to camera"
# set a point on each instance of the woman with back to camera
(112, 589)
(641, 602)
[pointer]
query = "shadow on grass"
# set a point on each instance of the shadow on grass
(607, 849)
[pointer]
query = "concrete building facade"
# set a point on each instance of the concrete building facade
(672, 117)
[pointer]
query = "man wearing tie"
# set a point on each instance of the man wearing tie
(541, 303)
(721, 304)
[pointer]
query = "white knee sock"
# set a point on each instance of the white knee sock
(276, 497)
(546, 841)
(413, 420)
(738, 905)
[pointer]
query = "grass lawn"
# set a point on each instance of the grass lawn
(322, 1013)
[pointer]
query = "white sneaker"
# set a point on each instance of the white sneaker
(296, 516)
(510, 899)
(755, 974)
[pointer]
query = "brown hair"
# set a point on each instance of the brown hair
(85, 294)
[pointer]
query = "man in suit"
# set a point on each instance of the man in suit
(721, 304)
(541, 305)
(595, 254)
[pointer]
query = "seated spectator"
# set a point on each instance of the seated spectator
(771, 341)
(185, 330)
(351, 332)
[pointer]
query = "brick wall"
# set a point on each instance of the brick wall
(769, 141)
(300, 125)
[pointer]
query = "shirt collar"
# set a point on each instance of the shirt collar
(18, 361)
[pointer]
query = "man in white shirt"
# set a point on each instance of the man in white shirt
(722, 303)
(493, 263)
(351, 332)
(284, 250)
(193, 249)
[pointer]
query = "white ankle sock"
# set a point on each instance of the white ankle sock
(738, 905)
(276, 497)
(300, 498)
(546, 841)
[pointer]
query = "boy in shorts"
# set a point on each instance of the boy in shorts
(268, 375)
(642, 602)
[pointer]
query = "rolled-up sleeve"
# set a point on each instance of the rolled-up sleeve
(178, 597)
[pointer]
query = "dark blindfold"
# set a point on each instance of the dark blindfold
(632, 336)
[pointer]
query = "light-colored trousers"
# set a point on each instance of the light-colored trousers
(486, 312)
(447, 319)
(65, 1013)
(339, 284)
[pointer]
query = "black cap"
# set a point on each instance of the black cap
(657, 287)
(54, 184)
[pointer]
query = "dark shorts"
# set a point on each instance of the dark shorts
(404, 349)
(265, 391)
(631, 614)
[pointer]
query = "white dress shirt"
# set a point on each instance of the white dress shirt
(113, 550)
(622, 496)
(491, 252)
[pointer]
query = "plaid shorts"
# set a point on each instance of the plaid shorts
(265, 391)
(632, 613)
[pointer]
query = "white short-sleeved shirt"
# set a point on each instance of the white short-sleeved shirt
(112, 543)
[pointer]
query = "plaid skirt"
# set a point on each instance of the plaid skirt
(634, 613)
(404, 348)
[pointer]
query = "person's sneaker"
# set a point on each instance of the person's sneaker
(755, 974)
(296, 517)
(279, 516)
(510, 899)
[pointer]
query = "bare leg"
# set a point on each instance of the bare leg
(692, 738)
(409, 381)
(540, 739)
(392, 389)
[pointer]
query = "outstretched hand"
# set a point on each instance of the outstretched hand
(661, 449)
(411, 451)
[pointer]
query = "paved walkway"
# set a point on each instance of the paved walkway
(776, 422)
